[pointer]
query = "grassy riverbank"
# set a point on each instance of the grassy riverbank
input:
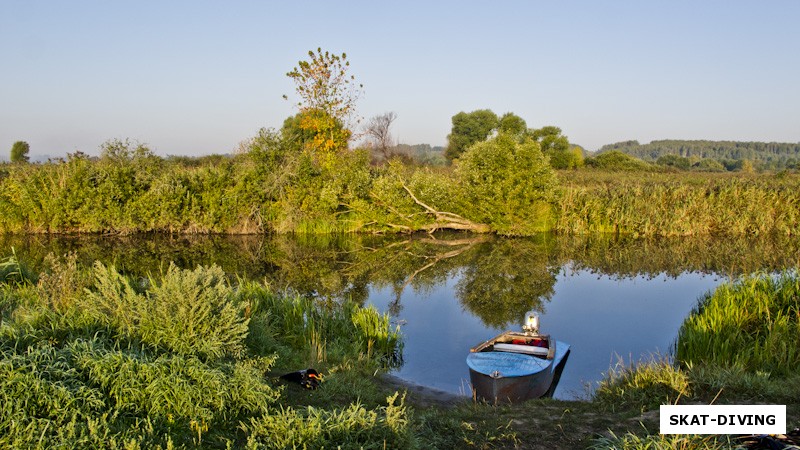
(92, 358)
(186, 359)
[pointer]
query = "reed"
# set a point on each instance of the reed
(679, 204)
(753, 324)
(377, 336)
(325, 331)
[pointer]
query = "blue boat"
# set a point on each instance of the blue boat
(517, 366)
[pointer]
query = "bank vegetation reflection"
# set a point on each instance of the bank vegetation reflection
(497, 279)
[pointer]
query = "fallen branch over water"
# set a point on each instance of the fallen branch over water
(446, 220)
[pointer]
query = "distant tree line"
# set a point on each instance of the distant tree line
(713, 155)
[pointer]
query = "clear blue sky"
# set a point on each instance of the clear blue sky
(198, 77)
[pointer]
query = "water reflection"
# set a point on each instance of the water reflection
(602, 294)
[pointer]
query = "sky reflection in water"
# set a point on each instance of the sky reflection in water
(603, 318)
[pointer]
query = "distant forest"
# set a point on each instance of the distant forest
(731, 154)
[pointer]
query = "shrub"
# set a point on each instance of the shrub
(508, 184)
(187, 312)
(615, 160)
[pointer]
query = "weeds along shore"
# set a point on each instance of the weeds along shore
(96, 359)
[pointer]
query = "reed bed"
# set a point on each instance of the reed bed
(680, 205)
(753, 324)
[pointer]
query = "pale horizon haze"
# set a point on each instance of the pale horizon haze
(198, 77)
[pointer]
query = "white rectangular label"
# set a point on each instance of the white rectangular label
(723, 419)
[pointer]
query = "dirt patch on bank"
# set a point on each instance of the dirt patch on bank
(422, 396)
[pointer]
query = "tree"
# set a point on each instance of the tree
(468, 129)
(556, 146)
(672, 160)
(512, 124)
(323, 84)
(378, 133)
(315, 131)
(508, 184)
(19, 151)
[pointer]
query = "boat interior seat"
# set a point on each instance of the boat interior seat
(517, 348)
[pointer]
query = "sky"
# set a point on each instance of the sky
(198, 77)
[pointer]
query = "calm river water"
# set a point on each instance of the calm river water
(611, 298)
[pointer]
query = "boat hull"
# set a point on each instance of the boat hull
(499, 377)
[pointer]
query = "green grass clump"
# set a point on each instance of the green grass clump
(643, 386)
(753, 325)
(632, 441)
(13, 271)
(353, 427)
(187, 312)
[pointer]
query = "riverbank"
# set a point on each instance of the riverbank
(273, 190)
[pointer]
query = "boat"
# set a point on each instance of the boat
(515, 366)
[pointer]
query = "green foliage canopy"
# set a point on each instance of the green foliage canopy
(509, 184)
(19, 151)
(556, 147)
(469, 128)
(512, 124)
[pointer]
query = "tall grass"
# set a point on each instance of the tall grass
(753, 324)
(351, 428)
(632, 441)
(327, 330)
(644, 386)
(250, 194)
(679, 204)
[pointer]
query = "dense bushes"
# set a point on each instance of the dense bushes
(501, 185)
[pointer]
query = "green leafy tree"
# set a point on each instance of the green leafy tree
(19, 151)
(555, 146)
(509, 184)
(328, 94)
(468, 129)
(512, 124)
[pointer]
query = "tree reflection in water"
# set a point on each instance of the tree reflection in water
(498, 279)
